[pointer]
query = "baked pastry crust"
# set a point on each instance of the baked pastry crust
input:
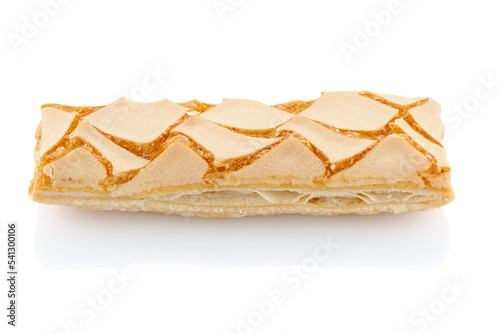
(346, 152)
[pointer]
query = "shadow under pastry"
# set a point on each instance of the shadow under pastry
(68, 238)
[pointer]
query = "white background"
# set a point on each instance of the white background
(206, 276)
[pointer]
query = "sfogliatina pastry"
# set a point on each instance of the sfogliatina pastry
(346, 152)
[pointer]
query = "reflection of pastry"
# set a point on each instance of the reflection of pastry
(346, 152)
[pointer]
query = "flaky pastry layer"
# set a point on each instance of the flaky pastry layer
(346, 152)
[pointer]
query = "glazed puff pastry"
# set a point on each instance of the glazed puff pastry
(346, 152)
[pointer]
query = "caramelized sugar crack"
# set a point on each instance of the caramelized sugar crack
(198, 106)
(261, 133)
(294, 107)
(404, 113)
(411, 121)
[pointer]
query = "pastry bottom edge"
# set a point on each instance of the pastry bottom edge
(222, 211)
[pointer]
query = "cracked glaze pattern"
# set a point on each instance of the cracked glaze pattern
(342, 139)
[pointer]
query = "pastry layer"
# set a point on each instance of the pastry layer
(236, 203)
(346, 152)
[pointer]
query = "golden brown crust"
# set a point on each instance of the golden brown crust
(246, 114)
(54, 125)
(79, 168)
(394, 159)
(290, 162)
(346, 152)
(135, 121)
(350, 111)
(334, 145)
(177, 165)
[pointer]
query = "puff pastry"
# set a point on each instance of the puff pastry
(346, 152)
